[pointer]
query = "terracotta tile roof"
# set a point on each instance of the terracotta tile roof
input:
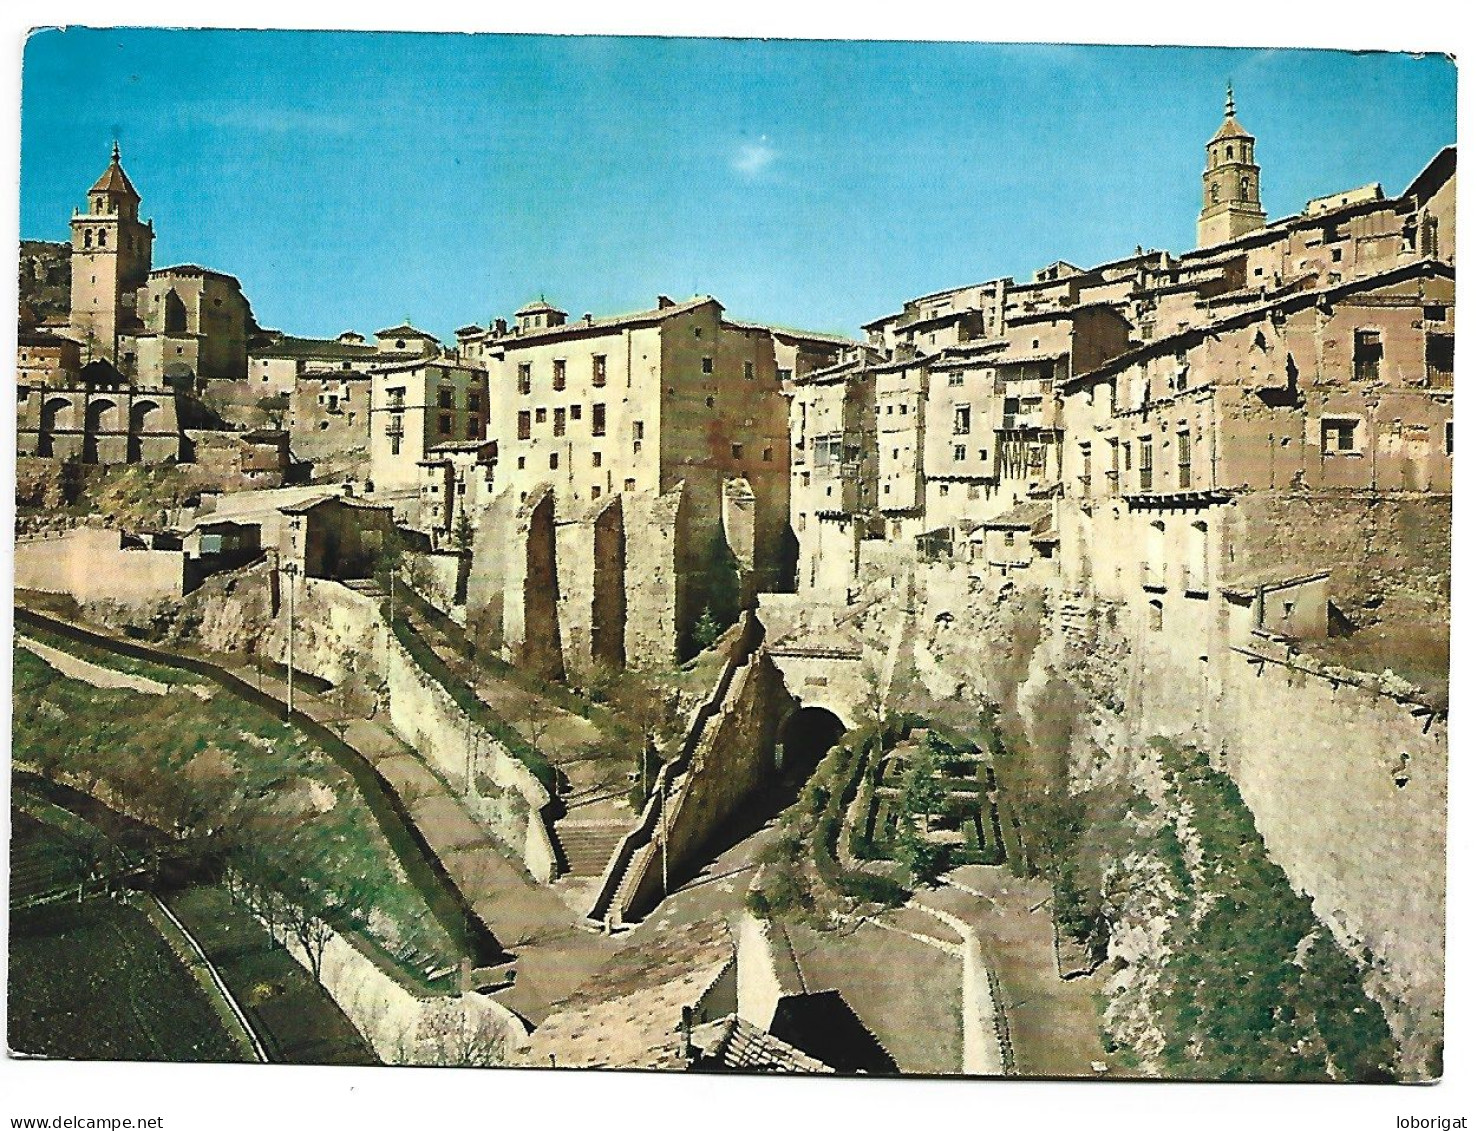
(115, 180)
(735, 1045)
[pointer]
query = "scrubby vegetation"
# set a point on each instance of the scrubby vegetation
(1254, 986)
(236, 787)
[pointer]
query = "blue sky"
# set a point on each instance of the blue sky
(355, 179)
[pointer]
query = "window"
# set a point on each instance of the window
(595, 491)
(1010, 537)
(597, 420)
(1435, 314)
(474, 427)
(594, 459)
(984, 455)
(1440, 357)
(559, 422)
(474, 402)
(709, 402)
(445, 398)
(597, 374)
(553, 461)
(748, 371)
(707, 365)
(958, 452)
(559, 379)
(786, 374)
(961, 420)
(1113, 457)
(1339, 436)
(102, 237)
(1368, 351)
(768, 455)
(1086, 449)
(638, 430)
(955, 380)
(540, 415)
(1146, 463)
(1338, 255)
(738, 451)
(522, 463)
(1450, 439)
(1182, 448)
(524, 425)
(1430, 243)
(525, 377)
(630, 485)
(1156, 616)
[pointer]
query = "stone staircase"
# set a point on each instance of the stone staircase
(366, 586)
(585, 847)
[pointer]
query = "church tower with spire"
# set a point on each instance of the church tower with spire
(1232, 202)
(112, 252)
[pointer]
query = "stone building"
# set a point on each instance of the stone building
(194, 323)
(112, 252)
(966, 386)
(44, 360)
(458, 479)
(671, 422)
(414, 405)
(151, 325)
(1232, 181)
(1193, 456)
(275, 366)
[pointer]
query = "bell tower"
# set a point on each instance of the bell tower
(1232, 193)
(112, 253)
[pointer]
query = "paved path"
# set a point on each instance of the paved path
(529, 919)
(1053, 1024)
(77, 668)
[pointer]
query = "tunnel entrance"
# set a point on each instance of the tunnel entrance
(804, 740)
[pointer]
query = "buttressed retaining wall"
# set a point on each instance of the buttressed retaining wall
(340, 633)
(734, 759)
(559, 587)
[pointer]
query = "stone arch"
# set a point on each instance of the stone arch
(805, 736)
(102, 418)
(541, 650)
(56, 415)
(608, 591)
(102, 415)
(142, 416)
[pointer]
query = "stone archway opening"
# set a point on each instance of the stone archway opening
(804, 739)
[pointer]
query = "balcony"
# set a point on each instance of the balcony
(1194, 581)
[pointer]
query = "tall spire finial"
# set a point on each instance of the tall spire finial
(116, 154)
(1230, 100)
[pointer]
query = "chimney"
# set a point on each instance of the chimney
(663, 302)
(589, 318)
(501, 327)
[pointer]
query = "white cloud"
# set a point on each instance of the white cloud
(752, 159)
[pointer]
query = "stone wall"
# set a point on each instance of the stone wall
(405, 1027)
(90, 564)
(734, 759)
(1346, 781)
(1375, 547)
(1349, 793)
(506, 798)
(557, 587)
